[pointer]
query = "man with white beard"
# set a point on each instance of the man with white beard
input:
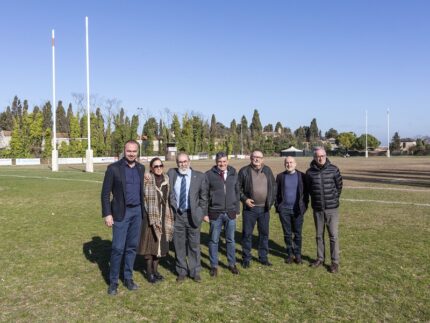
(188, 199)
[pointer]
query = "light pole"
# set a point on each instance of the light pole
(388, 133)
(367, 153)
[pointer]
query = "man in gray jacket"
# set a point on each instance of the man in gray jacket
(223, 206)
(188, 199)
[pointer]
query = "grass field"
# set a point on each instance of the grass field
(55, 250)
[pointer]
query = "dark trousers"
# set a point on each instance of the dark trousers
(292, 223)
(250, 217)
(125, 238)
(186, 240)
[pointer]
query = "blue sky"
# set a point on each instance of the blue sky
(291, 60)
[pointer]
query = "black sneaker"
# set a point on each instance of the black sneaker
(129, 283)
(246, 264)
(266, 263)
(113, 289)
(213, 272)
(152, 279)
(233, 270)
(158, 276)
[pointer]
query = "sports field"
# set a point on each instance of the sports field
(54, 252)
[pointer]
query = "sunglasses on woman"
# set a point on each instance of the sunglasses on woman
(158, 166)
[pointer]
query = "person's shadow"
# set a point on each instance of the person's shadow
(98, 251)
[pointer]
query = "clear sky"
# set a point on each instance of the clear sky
(291, 60)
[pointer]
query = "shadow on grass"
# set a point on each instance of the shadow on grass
(98, 251)
(394, 177)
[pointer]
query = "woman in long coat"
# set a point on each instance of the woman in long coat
(157, 225)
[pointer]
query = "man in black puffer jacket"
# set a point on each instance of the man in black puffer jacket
(325, 186)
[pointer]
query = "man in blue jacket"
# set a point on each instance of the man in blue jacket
(124, 213)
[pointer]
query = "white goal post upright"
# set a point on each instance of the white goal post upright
(54, 153)
(89, 167)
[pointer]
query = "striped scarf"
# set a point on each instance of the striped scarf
(153, 211)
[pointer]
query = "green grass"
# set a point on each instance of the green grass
(45, 275)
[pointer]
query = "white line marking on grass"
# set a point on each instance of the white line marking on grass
(387, 202)
(54, 178)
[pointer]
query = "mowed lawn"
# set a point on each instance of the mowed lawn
(54, 252)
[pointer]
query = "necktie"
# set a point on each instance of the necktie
(183, 194)
(222, 175)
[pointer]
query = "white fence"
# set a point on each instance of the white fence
(5, 162)
(27, 161)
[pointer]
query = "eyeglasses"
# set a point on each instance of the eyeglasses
(158, 166)
(183, 161)
(257, 157)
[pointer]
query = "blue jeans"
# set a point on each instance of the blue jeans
(292, 223)
(215, 232)
(125, 238)
(250, 217)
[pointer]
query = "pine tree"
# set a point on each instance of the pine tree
(62, 125)
(234, 138)
(68, 117)
(187, 135)
(244, 136)
(256, 128)
(395, 142)
(176, 129)
(47, 116)
(6, 120)
(313, 131)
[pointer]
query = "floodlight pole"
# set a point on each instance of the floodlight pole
(89, 153)
(54, 153)
(388, 133)
(367, 153)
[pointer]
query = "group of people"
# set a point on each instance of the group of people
(148, 210)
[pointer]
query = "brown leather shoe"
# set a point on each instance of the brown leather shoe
(197, 278)
(334, 268)
(233, 270)
(213, 272)
(317, 263)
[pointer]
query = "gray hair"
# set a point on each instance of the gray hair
(220, 155)
(318, 148)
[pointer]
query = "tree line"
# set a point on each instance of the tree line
(32, 132)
